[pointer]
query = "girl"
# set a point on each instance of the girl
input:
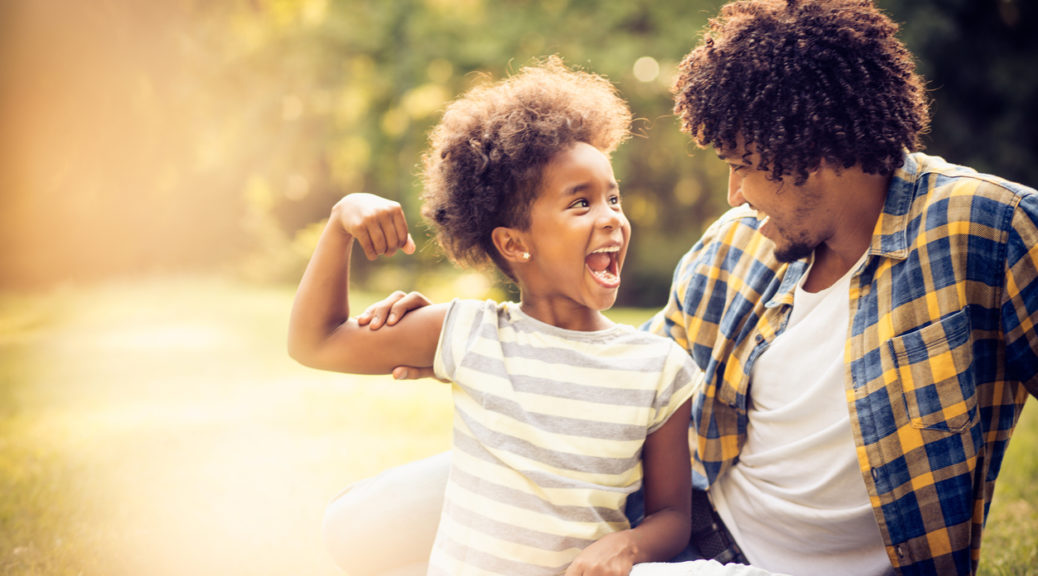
(560, 414)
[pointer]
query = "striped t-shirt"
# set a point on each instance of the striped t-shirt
(549, 426)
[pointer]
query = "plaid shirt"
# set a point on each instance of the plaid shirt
(941, 349)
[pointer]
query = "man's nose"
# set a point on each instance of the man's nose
(735, 197)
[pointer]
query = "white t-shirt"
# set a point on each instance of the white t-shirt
(796, 501)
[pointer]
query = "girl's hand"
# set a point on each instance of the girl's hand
(612, 555)
(376, 223)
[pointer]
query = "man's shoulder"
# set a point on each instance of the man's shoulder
(740, 216)
(930, 193)
(941, 178)
(732, 243)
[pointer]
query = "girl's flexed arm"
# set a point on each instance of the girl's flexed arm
(321, 334)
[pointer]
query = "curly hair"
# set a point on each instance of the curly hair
(802, 82)
(485, 159)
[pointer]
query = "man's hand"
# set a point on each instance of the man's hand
(388, 312)
(391, 309)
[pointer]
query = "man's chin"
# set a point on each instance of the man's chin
(793, 252)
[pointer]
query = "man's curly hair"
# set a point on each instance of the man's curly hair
(802, 82)
(484, 163)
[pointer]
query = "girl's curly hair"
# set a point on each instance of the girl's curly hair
(801, 82)
(484, 163)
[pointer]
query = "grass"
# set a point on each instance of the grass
(157, 427)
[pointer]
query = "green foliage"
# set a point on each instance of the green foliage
(376, 77)
(192, 134)
(979, 60)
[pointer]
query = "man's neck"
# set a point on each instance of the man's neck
(859, 198)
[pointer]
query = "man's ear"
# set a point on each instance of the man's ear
(511, 244)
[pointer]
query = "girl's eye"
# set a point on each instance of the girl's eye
(614, 200)
(582, 203)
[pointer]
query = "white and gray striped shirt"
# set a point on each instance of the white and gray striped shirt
(549, 426)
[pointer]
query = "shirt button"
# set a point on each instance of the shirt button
(900, 551)
(759, 338)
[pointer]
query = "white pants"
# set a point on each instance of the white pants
(385, 525)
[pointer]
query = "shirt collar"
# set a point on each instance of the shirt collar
(784, 294)
(890, 237)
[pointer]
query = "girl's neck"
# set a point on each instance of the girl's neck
(565, 315)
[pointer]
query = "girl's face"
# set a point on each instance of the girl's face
(578, 234)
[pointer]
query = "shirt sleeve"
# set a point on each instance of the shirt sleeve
(1020, 298)
(668, 322)
(678, 381)
(459, 326)
(698, 287)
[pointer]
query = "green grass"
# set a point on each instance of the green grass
(157, 427)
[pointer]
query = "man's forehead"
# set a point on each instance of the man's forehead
(740, 151)
(728, 154)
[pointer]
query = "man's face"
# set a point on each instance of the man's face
(795, 218)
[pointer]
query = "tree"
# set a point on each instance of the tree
(979, 58)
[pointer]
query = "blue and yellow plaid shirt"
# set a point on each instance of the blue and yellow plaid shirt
(940, 353)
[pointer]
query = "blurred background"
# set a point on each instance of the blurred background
(181, 135)
(165, 167)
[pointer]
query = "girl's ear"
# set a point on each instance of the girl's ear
(510, 244)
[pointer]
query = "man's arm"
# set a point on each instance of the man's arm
(1020, 296)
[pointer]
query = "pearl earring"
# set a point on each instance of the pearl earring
(526, 256)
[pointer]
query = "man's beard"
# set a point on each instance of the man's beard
(794, 251)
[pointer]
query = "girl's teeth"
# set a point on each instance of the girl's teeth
(605, 275)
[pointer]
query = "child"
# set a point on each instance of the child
(559, 413)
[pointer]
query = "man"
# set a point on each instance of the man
(864, 318)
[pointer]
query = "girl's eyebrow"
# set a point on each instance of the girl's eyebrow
(581, 187)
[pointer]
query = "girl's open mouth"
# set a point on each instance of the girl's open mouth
(604, 266)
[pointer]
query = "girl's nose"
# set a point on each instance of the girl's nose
(611, 217)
